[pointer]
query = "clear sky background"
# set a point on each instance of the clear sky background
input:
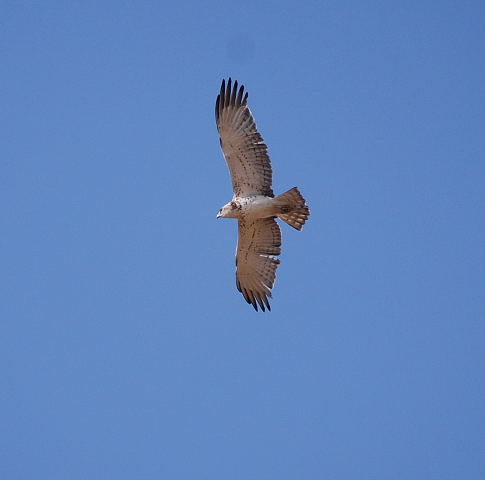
(126, 351)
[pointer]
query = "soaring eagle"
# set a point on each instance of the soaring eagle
(253, 202)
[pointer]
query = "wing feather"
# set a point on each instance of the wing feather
(243, 146)
(259, 241)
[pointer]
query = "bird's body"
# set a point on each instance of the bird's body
(253, 204)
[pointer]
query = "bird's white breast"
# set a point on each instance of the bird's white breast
(255, 206)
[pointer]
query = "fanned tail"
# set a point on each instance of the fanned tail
(292, 208)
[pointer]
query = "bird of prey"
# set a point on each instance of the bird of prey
(253, 202)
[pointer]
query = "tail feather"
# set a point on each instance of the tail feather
(292, 208)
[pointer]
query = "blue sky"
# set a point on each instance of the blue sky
(126, 350)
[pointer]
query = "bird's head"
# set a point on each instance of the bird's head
(227, 211)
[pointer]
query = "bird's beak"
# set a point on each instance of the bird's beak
(218, 215)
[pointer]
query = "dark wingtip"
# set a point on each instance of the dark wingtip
(233, 94)
(228, 91)
(240, 95)
(222, 93)
(218, 99)
(266, 301)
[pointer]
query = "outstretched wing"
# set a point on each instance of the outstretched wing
(259, 241)
(244, 149)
